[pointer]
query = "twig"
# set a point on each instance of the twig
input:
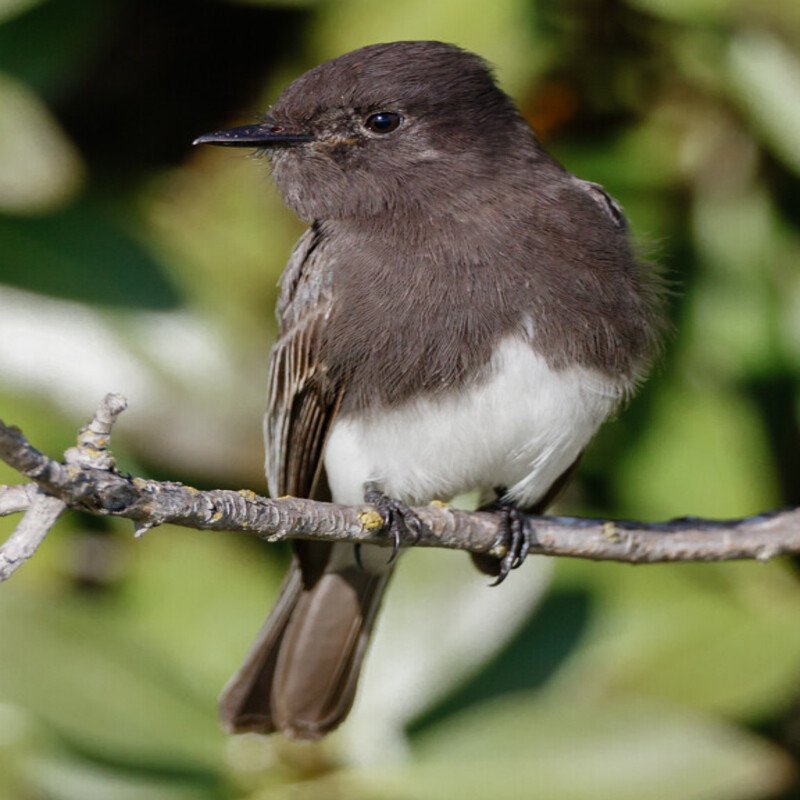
(90, 482)
(14, 499)
(42, 513)
(41, 509)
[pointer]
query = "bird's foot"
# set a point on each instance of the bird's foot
(514, 541)
(516, 538)
(399, 521)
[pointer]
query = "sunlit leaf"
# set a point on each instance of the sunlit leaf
(226, 237)
(703, 453)
(499, 31)
(733, 306)
(199, 600)
(39, 167)
(626, 749)
(104, 692)
(687, 11)
(62, 779)
(765, 77)
(10, 8)
(720, 637)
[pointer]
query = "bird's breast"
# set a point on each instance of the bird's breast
(520, 426)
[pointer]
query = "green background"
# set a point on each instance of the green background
(130, 262)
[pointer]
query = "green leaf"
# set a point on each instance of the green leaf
(226, 236)
(687, 11)
(198, 600)
(48, 44)
(63, 779)
(39, 167)
(703, 453)
(765, 77)
(717, 637)
(499, 30)
(10, 8)
(627, 748)
(82, 253)
(101, 689)
(734, 311)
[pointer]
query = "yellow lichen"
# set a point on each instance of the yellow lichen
(371, 520)
(611, 533)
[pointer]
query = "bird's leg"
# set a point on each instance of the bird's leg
(514, 536)
(398, 519)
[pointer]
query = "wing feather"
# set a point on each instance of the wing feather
(301, 405)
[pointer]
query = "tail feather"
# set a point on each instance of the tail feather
(300, 676)
(244, 703)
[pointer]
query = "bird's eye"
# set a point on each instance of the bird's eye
(383, 122)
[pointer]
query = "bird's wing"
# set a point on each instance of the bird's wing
(610, 207)
(300, 404)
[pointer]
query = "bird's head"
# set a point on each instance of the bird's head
(390, 126)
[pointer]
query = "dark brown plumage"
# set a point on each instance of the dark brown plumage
(462, 313)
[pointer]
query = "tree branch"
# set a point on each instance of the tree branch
(40, 516)
(15, 499)
(89, 481)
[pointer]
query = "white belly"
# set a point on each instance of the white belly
(521, 428)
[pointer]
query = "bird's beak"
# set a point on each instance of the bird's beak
(261, 135)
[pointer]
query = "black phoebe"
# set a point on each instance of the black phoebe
(462, 314)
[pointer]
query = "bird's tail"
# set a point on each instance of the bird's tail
(300, 675)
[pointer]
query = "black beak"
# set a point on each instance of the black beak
(261, 135)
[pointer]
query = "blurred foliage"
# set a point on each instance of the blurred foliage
(131, 263)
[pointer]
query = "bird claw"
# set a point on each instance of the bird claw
(516, 539)
(399, 521)
(357, 556)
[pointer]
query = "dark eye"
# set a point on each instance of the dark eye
(383, 122)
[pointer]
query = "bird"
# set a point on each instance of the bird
(462, 313)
